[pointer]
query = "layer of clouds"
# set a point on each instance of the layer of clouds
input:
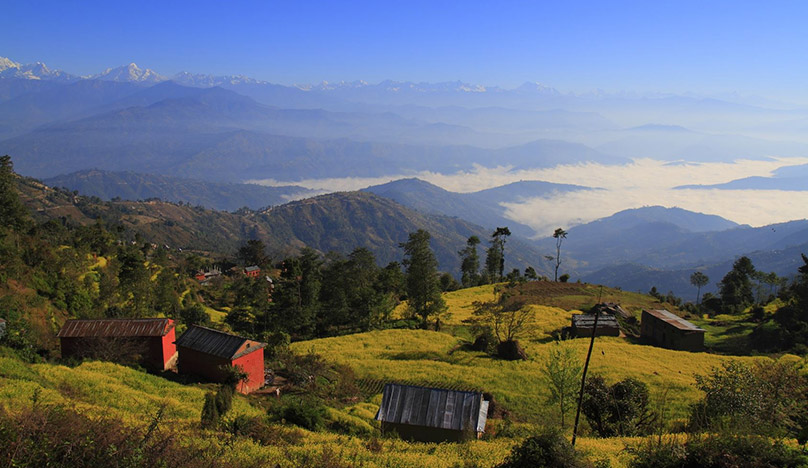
(643, 182)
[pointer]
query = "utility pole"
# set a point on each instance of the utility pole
(586, 367)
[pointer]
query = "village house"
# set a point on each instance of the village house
(582, 325)
(149, 341)
(667, 330)
(207, 353)
(252, 271)
(431, 414)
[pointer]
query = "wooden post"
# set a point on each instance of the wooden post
(583, 377)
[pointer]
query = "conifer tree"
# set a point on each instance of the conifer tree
(423, 288)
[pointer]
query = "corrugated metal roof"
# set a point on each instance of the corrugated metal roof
(433, 407)
(107, 328)
(588, 321)
(674, 320)
(217, 343)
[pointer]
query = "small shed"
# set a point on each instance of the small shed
(432, 414)
(582, 325)
(252, 271)
(207, 352)
(148, 340)
(667, 330)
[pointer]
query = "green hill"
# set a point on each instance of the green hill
(339, 222)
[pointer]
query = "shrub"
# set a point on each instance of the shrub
(262, 431)
(548, 449)
(210, 412)
(620, 409)
(60, 436)
(195, 315)
(308, 413)
(224, 399)
(716, 451)
(763, 399)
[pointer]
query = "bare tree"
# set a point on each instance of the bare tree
(559, 235)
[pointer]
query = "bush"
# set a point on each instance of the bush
(224, 399)
(511, 351)
(617, 410)
(308, 413)
(716, 451)
(210, 412)
(766, 399)
(485, 342)
(262, 431)
(195, 315)
(60, 436)
(545, 450)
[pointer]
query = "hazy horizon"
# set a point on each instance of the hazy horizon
(715, 49)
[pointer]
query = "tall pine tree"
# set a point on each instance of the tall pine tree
(423, 288)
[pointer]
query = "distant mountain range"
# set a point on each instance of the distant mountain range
(216, 134)
(634, 249)
(483, 207)
(655, 246)
(337, 222)
(219, 196)
(791, 178)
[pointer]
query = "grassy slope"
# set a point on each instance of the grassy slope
(109, 389)
(412, 355)
(439, 358)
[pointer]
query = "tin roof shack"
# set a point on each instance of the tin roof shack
(432, 414)
(582, 325)
(667, 330)
(148, 341)
(207, 352)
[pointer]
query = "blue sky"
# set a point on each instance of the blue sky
(703, 47)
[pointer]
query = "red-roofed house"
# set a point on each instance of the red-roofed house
(204, 351)
(150, 340)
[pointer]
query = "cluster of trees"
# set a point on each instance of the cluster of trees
(744, 288)
(93, 271)
(309, 295)
(740, 288)
(493, 270)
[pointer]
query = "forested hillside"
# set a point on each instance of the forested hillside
(338, 222)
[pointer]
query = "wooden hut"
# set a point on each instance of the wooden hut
(149, 341)
(207, 353)
(582, 325)
(431, 414)
(667, 330)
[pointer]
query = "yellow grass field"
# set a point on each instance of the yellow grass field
(413, 356)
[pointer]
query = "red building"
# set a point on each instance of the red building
(207, 352)
(252, 271)
(149, 341)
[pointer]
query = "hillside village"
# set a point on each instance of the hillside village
(323, 359)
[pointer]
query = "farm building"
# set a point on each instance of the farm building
(667, 330)
(149, 341)
(252, 271)
(431, 414)
(207, 352)
(582, 325)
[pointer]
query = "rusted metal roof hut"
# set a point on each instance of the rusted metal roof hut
(432, 414)
(207, 352)
(149, 340)
(582, 325)
(667, 330)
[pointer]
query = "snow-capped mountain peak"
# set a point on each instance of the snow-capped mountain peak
(130, 73)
